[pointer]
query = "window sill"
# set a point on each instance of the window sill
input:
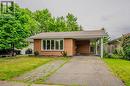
(52, 50)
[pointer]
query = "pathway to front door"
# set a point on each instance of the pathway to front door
(84, 71)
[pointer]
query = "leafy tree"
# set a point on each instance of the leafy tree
(12, 32)
(106, 38)
(71, 22)
(125, 43)
(26, 19)
(48, 23)
(15, 28)
(60, 24)
(44, 18)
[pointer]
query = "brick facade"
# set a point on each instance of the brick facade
(70, 46)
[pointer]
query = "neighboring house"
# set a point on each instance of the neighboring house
(115, 44)
(74, 43)
(30, 46)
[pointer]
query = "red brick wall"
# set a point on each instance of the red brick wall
(68, 47)
(37, 45)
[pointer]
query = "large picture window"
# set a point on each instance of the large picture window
(56, 44)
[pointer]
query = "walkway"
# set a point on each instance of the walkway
(41, 71)
(6, 83)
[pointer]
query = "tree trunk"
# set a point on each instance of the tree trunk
(13, 51)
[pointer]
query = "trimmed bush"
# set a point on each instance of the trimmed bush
(64, 53)
(36, 53)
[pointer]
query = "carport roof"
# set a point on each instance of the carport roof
(75, 34)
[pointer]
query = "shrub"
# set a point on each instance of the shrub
(64, 53)
(127, 53)
(36, 53)
(116, 56)
(120, 51)
(115, 51)
(107, 55)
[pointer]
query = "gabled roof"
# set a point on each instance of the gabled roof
(75, 34)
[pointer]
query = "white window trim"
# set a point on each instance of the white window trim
(59, 44)
(50, 45)
(46, 44)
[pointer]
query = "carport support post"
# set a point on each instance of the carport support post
(102, 47)
(96, 47)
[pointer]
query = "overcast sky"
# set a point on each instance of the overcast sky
(114, 15)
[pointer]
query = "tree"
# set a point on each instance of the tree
(48, 23)
(125, 43)
(106, 39)
(11, 32)
(71, 22)
(44, 18)
(25, 16)
(60, 24)
(16, 28)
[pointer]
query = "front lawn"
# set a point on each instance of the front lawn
(121, 68)
(11, 67)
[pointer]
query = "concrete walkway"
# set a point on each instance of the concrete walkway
(6, 83)
(84, 71)
(41, 71)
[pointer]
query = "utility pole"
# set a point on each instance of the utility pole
(4, 6)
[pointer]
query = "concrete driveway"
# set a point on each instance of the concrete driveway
(84, 71)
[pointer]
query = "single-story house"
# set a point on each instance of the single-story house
(115, 44)
(73, 43)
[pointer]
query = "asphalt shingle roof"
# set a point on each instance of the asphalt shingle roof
(74, 34)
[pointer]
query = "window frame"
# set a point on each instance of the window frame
(42, 48)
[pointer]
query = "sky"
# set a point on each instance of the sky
(113, 15)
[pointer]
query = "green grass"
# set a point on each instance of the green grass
(12, 67)
(121, 68)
